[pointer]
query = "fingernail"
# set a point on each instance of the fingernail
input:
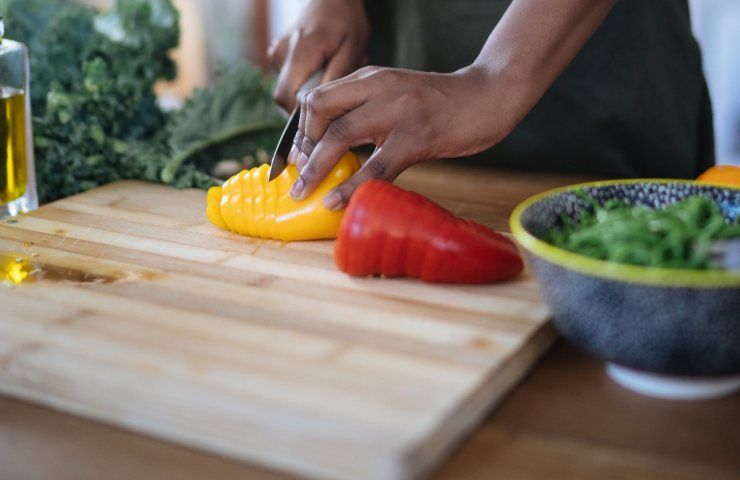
(302, 161)
(333, 201)
(297, 189)
(298, 139)
(292, 154)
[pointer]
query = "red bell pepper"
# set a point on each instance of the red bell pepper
(393, 232)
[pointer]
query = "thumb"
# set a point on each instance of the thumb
(385, 163)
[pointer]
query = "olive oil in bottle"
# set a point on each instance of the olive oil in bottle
(13, 148)
(17, 173)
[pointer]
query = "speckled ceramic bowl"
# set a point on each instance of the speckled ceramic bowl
(639, 319)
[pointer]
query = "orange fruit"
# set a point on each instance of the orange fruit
(721, 174)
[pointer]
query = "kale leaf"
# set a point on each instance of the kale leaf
(236, 115)
(96, 119)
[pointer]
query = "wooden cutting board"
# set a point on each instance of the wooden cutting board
(142, 315)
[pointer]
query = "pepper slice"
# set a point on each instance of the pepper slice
(392, 232)
(250, 205)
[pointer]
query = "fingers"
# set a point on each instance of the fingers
(351, 111)
(334, 101)
(317, 160)
(300, 63)
(320, 106)
(364, 125)
(386, 163)
(295, 150)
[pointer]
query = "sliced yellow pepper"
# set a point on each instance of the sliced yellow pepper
(249, 204)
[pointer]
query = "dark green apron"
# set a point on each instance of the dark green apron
(633, 103)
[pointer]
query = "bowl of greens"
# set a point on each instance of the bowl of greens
(643, 274)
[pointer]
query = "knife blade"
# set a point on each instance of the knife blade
(280, 157)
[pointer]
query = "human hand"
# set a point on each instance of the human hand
(331, 34)
(409, 116)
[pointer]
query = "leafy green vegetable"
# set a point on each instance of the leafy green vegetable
(236, 115)
(96, 119)
(677, 236)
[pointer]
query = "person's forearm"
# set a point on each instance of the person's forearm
(534, 41)
(407, 114)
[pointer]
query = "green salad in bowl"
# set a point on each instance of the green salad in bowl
(643, 274)
(679, 235)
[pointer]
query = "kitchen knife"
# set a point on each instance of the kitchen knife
(280, 157)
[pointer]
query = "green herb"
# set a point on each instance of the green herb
(677, 236)
(236, 116)
(95, 114)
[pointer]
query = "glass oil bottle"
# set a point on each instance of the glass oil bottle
(17, 175)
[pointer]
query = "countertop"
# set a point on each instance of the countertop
(565, 420)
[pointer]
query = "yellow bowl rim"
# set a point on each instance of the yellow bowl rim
(666, 277)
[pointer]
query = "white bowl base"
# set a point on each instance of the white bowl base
(672, 387)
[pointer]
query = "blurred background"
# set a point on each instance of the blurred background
(223, 31)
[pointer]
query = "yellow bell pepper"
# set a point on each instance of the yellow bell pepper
(249, 204)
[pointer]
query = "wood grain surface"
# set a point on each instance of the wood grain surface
(566, 420)
(145, 316)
